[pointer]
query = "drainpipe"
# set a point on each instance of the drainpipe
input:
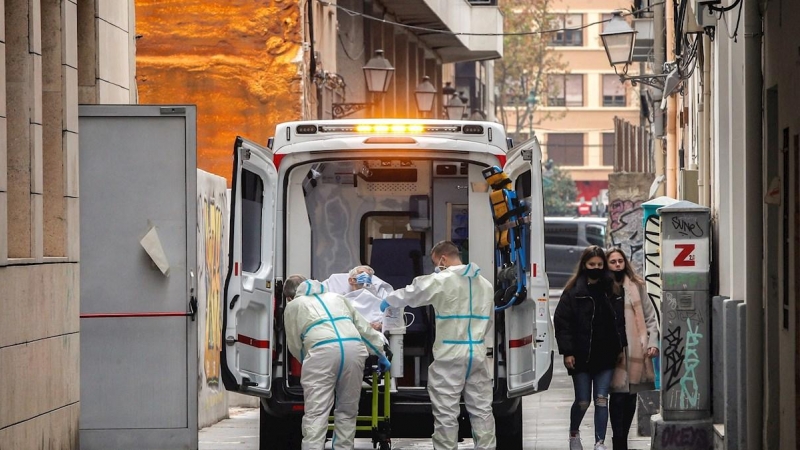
(659, 55)
(753, 216)
(672, 143)
(705, 128)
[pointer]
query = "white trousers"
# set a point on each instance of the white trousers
(446, 382)
(321, 368)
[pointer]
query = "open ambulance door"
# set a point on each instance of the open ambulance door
(247, 317)
(529, 328)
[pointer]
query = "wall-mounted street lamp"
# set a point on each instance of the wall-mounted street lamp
(455, 108)
(425, 94)
(619, 39)
(377, 74)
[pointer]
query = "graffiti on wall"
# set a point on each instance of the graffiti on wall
(652, 261)
(686, 436)
(689, 389)
(625, 218)
(211, 251)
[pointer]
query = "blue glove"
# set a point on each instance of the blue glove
(384, 305)
(364, 278)
(383, 364)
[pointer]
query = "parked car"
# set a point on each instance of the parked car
(565, 238)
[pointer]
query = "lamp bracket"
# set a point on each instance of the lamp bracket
(656, 81)
(345, 109)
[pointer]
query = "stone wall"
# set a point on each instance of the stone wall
(235, 60)
(626, 192)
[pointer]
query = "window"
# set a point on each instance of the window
(561, 234)
(596, 235)
(613, 91)
(252, 203)
(571, 34)
(565, 149)
(565, 90)
(608, 148)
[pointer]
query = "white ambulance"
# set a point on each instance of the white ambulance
(326, 196)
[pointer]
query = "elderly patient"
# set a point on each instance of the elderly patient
(364, 290)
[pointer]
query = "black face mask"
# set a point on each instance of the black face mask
(619, 275)
(594, 274)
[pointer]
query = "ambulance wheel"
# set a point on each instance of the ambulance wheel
(279, 433)
(509, 430)
(386, 446)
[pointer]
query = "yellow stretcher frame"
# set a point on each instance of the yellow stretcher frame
(372, 422)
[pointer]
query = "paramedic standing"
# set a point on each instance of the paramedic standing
(332, 341)
(464, 304)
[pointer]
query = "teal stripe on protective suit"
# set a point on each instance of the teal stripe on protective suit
(333, 341)
(466, 271)
(336, 330)
(308, 287)
(463, 316)
(320, 322)
(469, 326)
(448, 341)
(369, 344)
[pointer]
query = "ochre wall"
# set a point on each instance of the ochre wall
(231, 58)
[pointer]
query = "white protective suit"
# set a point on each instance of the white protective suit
(464, 304)
(332, 340)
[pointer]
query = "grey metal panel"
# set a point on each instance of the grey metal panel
(717, 368)
(741, 368)
(138, 375)
(730, 333)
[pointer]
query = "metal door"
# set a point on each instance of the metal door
(529, 327)
(138, 339)
(247, 313)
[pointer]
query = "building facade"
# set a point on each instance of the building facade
(53, 56)
(731, 141)
(417, 38)
(574, 119)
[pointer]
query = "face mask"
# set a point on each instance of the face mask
(594, 274)
(619, 275)
(364, 279)
(439, 267)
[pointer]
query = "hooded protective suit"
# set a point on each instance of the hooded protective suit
(332, 340)
(464, 304)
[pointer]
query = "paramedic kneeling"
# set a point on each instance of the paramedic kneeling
(464, 304)
(329, 337)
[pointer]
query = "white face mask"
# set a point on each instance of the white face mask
(439, 267)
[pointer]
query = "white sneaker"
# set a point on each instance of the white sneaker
(575, 442)
(600, 446)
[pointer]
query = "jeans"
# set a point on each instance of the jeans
(583, 382)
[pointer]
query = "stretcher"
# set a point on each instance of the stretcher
(379, 420)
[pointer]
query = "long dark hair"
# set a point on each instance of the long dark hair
(580, 271)
(628, 269)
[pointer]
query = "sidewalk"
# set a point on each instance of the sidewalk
(545, 415)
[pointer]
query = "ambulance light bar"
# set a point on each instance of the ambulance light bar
(390, 129)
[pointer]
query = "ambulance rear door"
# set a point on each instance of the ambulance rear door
(250, 283)
(529, 327)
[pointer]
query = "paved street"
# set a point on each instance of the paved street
(545, 415)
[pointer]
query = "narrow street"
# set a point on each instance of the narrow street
(545, 416)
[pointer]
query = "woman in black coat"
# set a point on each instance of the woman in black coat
(590, 330)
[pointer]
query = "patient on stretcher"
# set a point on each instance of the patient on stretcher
(364, 290)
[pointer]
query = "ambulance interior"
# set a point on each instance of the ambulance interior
(387, 213)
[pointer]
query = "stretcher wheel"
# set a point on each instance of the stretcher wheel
(386, 446)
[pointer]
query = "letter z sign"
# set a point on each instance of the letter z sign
(685, 255)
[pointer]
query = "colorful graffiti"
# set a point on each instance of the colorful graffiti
(212, 252)
(625, 217)
(689, 389)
